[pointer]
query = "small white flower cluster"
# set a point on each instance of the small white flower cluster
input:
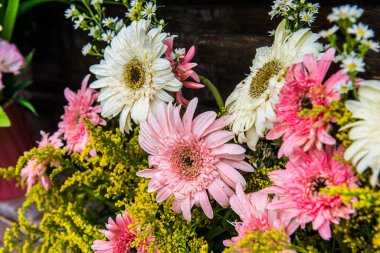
(94, 21)
(299, 13)
(358, 39)
(141, 9)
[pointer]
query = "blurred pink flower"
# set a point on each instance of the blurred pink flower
(254, 215)
(298, 190)
(36, 170)
(120, 235)
(304, 90)
(80, 107)
(11, 60)
(190, 157)
(182, 68)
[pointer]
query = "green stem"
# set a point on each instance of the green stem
(214, 91)
(104, 200)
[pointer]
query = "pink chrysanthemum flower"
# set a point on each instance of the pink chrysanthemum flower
(254, 215)
(304, 90)
(298, 189)
(35, 170)
(11, 60)
(182, 68)
(120, 235)
(191, 157)
(80, 106)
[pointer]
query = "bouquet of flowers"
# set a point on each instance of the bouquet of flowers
(290, 163)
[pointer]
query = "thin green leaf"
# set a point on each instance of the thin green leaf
(27, 104)
(22, 86)
(27, 5)
(28, 58)
(214, 233)
(2, 10)
(4, 120)
(9, 19)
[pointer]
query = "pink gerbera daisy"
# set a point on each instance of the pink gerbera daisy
(182, 68)
(304, 90)
(190, 157)
(254, 215)
(298, 189)
(80, 107)
(35, 170)
(11, 60)
(121, 235)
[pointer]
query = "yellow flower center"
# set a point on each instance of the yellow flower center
(260, 81)
(352, 66)
(361, 32)
(134, 74)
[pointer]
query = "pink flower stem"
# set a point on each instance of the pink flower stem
(214, 91)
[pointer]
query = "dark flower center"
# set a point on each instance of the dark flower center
(186, 162)
(318, 184)
(305, 103)
(134, 74)
(260, 81)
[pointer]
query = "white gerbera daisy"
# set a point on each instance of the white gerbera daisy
(251, 103)
(132, 77)
(364, 151)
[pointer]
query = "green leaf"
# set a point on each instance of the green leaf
(214, 233)
(27, 5)
(27, 104)
(9, 19)
(22, 86)
(4, 120)
(29, 58)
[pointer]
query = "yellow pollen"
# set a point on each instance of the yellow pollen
(260, 81)
(352, 66)
(134, 74)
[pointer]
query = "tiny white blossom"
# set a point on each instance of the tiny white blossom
(93, 2)
(338, 58)
(69, 13)
(314, 8)
(119, 25)
(149, 10)
(307, 17)
(330, 31)
(161, 22)
(345, 12)
(108, 36)
(109, 21)
(178, 53)
(352, 64)
(78, 22)
(130, 12)
(361, 31)
(86, 49)
(343, 87)
(93, 31)
(375, 46)
(134, 3)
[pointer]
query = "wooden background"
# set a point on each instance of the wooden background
(225, 34)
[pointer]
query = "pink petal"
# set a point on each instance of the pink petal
(218, 138)
(202, 122)
(205, 204)
(188, 116)
(232, 149)
(230, 175)
(218, 124)
(163, 194)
